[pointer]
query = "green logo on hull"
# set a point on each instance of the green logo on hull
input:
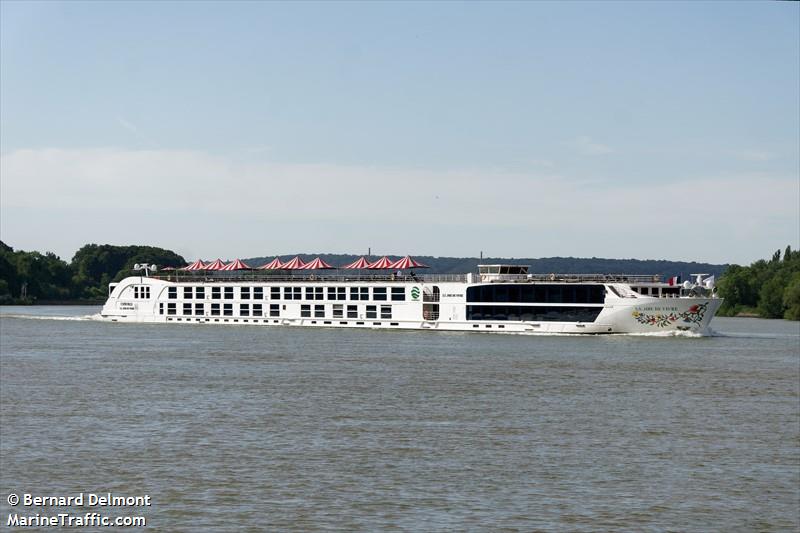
(415, 293)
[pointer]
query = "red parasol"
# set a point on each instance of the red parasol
(197, 265)
(294, 264)
(275, 264)
(358, 264)
(216, 265)
(317, 264)
(384, 263)
(236, 265)
(407, 262)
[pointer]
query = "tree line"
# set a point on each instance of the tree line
(30, 277)
(767, 288)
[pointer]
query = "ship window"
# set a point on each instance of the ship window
(398, 294)
(187, 293)
(161, 309)
(258, 293)
(244, 309)
(331, 293)
(338, 311)
(341, 293)
(318, 293)
(352, 311)
(228, 293)
(297, 293)
(214, 309)
(171, 309)
(319, 311)
(305, 311)
(257, 310)
(200, 293)
(287, 293)
(536, 293)
(199, 309)
(354, 294)
(372, 311)
(245, 293)
(227, 309)
(309, 293)
(644, 290)
(531, 313)
(215, 293)
(274, 310)
(275, 293)
(172, 293)
(379, 293)
(386, 311)
(187, 309)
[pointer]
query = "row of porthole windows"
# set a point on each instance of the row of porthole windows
(274, 310)
(266, 321)
(397, 294)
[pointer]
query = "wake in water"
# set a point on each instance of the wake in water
(53, 317)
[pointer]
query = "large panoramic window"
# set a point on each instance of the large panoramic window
(538, 293)
(532, 313)
(398, 294)
(379, 293)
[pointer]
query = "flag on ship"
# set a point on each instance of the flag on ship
(674, 280)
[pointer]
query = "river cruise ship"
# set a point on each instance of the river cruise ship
(498, 299)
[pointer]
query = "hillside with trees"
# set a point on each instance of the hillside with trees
(29, 277)
(767, 288)
(562, 265)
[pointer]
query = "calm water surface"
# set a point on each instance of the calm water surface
(232, 427)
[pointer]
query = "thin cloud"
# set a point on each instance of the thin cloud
(587, 146)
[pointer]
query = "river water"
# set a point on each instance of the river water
(271, 428)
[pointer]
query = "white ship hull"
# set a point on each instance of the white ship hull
(571, 307)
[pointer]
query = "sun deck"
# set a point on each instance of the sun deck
(277, 277)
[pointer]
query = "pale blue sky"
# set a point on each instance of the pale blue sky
(651, 130)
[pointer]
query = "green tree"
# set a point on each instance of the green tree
(791, 298)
